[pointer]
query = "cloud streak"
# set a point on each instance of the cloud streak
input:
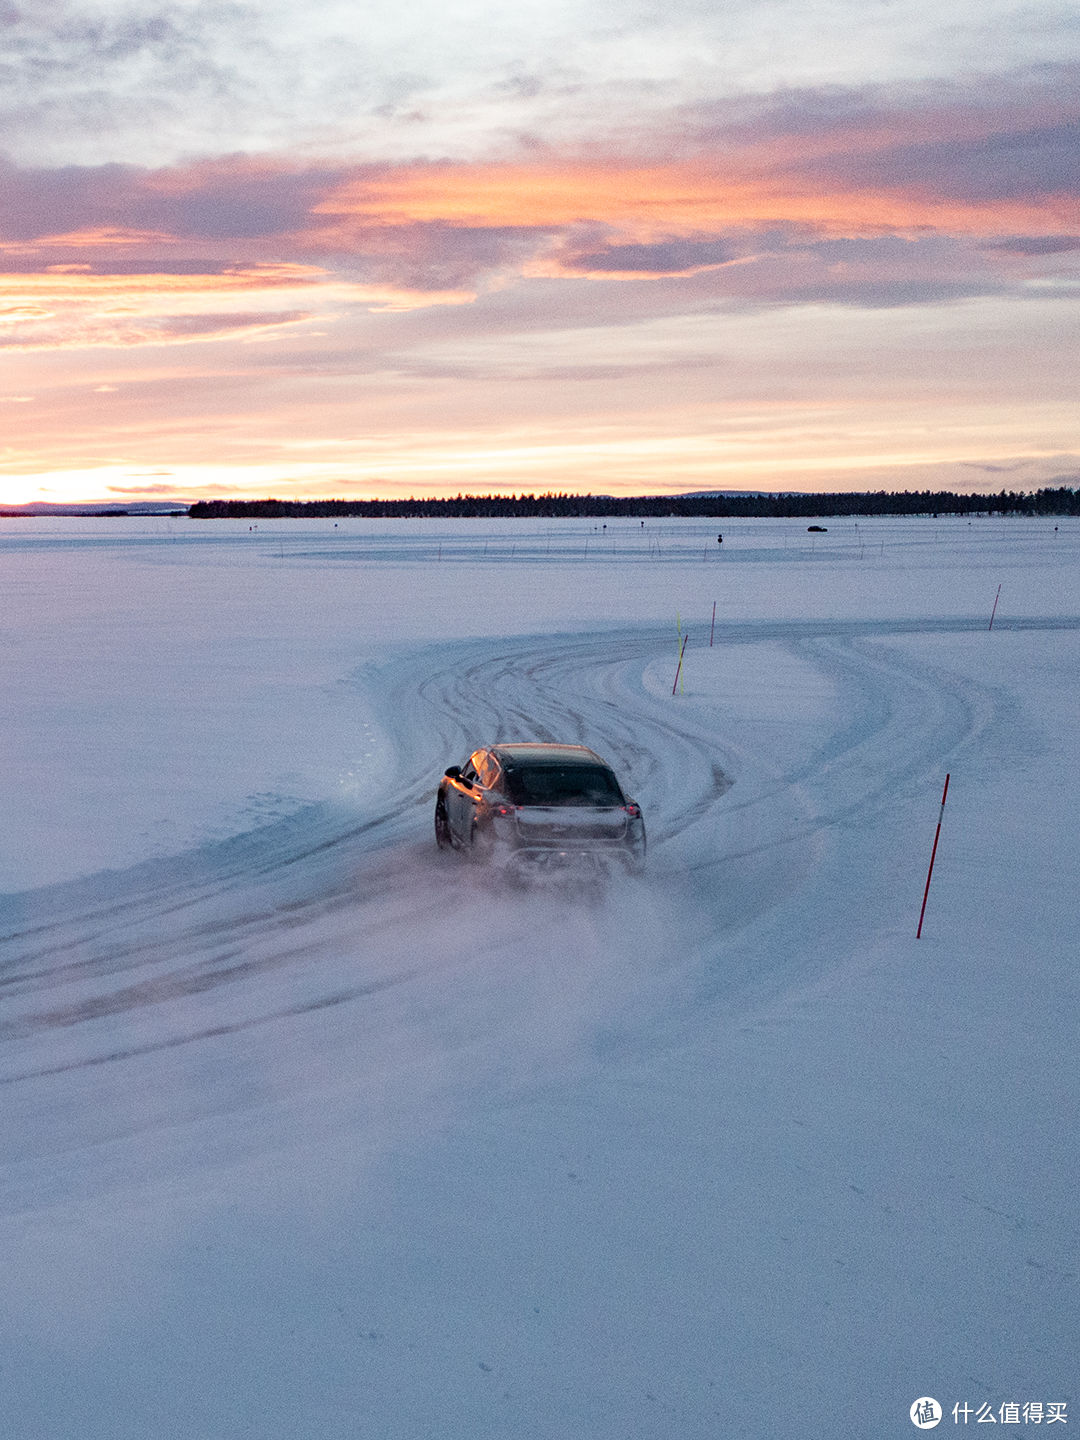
(69, 307)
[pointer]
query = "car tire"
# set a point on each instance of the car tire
(443, 838)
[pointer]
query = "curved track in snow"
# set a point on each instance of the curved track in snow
(334, 970)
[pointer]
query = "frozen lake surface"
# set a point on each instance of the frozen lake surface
(308, 1129)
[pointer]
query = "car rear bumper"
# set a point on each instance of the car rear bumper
(566, 837)
(568, 857)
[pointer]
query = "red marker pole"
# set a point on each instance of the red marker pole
(933, 857)
(993, 612)
(682, 652)
(713, 630)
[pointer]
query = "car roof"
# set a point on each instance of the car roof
(541, 754)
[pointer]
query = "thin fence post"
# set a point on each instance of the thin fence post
(993, 612)
(678, 672)
(933, 857)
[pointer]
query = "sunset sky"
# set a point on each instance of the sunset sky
(331, 249)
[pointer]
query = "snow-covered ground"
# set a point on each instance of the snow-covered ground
(307, 1129)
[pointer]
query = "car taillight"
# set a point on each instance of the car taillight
(503, 809)
(634, 811)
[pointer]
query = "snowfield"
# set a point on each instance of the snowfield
(307, 1129)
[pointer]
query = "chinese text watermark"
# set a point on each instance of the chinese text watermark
(926, 1413)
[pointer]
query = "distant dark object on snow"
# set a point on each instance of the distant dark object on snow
(720, 538)
(821, 529)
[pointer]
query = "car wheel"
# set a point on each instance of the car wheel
(442, 826)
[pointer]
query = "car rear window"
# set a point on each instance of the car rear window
(562, 785)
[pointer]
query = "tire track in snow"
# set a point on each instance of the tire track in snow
(357, 914)
(586, 690)
(570, 693)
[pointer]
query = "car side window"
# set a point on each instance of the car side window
(468, 770)
(489, 771)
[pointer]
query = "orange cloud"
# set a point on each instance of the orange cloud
(650, 201)
(66, 308)
(793, 190)
(62, 283)
(91, 238)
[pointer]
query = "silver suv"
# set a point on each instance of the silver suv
(538, 804)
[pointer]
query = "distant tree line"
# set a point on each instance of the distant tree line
(1060, 501)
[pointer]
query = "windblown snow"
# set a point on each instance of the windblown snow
(308, 1129)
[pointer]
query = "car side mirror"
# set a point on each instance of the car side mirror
(453, 773)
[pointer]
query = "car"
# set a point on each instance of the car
(538, 805)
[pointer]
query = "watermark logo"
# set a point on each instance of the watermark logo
(925, 1413)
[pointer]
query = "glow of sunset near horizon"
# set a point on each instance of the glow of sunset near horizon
(778, 249)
